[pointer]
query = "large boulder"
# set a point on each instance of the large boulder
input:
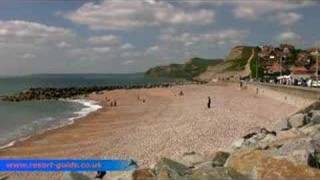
(260, 165)
(314, 116)
(254, 140)
(217, 173)
(296, 120)
(169, 169)
(220, 159)
(143, 174)
(191, 159)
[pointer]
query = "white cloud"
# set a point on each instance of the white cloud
(232, 36)
(252, 10)
(152, 49)
(289, 37)
(107, 40)
(63, 44)
(28, 56)
(21, 31)
(127, 46)
(288, 18)
(123, 15)
(255, 9)
(127, 62)
(101, 49)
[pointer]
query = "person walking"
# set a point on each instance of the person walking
(209, 102)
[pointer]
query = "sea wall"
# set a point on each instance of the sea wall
(293, 95)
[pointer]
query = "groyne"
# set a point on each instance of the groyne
(70, 92)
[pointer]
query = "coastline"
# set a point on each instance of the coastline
(90, 106)
(166, 125)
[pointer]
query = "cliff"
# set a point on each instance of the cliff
(236, 64)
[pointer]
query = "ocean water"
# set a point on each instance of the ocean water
(19, 120)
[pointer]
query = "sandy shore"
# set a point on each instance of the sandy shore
(165, 125)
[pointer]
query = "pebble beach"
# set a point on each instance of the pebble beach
(148, 124)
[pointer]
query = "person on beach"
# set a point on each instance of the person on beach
(209, 102)
(181, 93)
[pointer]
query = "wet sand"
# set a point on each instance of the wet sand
(166, 124)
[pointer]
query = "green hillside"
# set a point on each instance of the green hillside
(189, 70)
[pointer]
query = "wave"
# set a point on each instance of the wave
(89, 107)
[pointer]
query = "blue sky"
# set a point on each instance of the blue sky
(118, 36)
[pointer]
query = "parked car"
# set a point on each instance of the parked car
(313, 83)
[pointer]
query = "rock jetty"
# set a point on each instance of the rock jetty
(63, 93)
(291, 152)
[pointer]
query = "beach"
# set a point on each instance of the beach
(166, 124)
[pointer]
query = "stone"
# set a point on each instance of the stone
(315, 116)
(296, 120)
(237, 144)
(218, 173)
(121, 175)
(4, 177)
(143, 174)
(281, 125)
(169, 169)
(310, 129)
(260, 165)
(191, 159)
(75, 176)
(266, 141)
(296, 150)
(220, 158)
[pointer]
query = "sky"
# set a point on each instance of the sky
(122, 36)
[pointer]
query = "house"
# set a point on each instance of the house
(304, 59)
(301, 72)
(275, 68)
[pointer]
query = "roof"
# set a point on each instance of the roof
(300, 70)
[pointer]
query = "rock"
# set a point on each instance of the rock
(258, 140)
(191, 159)
(218, 173)
(296, 120)
(220, 158)
(143, 174)
(296, 150)
(310, 129)
(75, 176)
(314, 160)
(121, 175)
(169, 169)
(260, 165)
(237, 144)
(281, 125)
(266, 141)
(315, 116)
(4, 177)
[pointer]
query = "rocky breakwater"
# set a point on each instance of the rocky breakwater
(63, 93)
(291, 151)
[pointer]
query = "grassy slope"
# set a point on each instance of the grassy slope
(192, 68)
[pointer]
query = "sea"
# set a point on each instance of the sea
(20, 120)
